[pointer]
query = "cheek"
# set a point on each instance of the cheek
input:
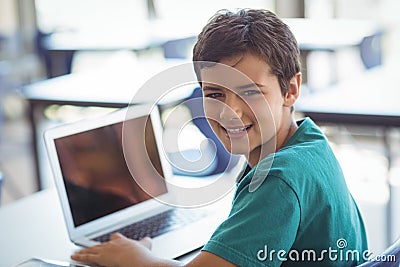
(264, 120)
(212, 110)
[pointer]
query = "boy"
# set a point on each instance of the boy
(291, 206)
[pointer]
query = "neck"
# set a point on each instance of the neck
(282, 135)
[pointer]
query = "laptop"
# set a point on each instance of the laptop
(112, 175)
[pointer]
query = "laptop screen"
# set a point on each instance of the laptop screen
(94, 165)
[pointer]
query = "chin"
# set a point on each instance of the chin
(238, 150)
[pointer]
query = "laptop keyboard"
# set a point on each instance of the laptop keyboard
(157, 225)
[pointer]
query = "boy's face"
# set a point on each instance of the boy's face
(244, 106)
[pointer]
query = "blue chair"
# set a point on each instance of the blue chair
(224, 160)
(56, 63)
(371, 50)
(389, 258)
(179, 48)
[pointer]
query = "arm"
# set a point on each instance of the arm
(208, 259)
(268, 216)
(121, 251)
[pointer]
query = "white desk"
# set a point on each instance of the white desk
(34, 226)
(371, 99)
(331, 34)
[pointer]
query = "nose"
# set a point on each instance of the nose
(231, 108)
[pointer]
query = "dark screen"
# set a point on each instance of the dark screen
(97, 179)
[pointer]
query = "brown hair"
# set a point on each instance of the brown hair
(249, 30)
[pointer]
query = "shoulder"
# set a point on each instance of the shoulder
(306, 155)
(301, 164)
(264, 187)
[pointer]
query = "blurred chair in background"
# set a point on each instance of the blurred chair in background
(201, 153)
(179, 48)
(56, 63)
(371, 50)
(224, 160)
(1, 184)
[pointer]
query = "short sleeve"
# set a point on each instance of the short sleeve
(261, 227)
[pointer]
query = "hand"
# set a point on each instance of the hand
(118, 252)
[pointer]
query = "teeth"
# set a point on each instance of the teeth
(236, 130)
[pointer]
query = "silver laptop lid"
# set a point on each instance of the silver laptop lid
(110, 169)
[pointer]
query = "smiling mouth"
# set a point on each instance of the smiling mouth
(236, 131)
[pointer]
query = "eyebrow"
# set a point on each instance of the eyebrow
(250, 85)
(211, 88)
(240, 87)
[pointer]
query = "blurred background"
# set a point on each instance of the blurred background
(342, 42)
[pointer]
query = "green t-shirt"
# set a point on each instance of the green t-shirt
(302, 214)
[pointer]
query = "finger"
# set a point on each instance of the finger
(116, 236)
(88, 258)
(147, 242)
(91, 250)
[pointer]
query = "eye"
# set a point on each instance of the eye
(214, 95)
(251, 92)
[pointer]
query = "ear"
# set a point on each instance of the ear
(293, 91)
